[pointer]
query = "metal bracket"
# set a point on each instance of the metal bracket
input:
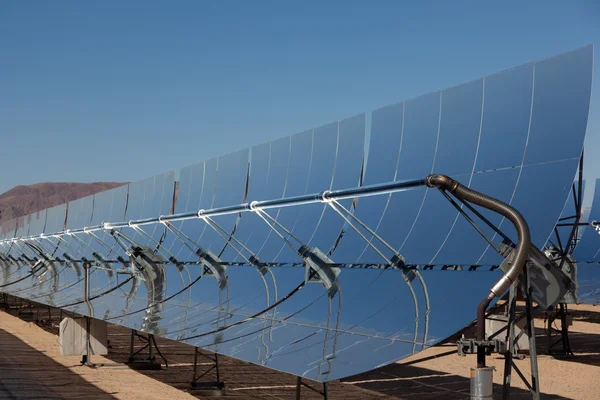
(74, 265)
(213, 267)
(107, 266)
(179, 265)
(549, 284)
(316, 261)
(259, 266)
(32, 262)
(398, 262)
(569, 267)
(150, 268)
(469, 346)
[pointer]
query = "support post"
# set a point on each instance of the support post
(564, 326)
(298, 387)
(86, 359)
(299, 384)
(218, 386)
(138, 360)
(510, 339)
(533, 385)
(132, 338)
(560, 313)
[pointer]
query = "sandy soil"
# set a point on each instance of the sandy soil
(33, 355)
(31, 367)
(573, 377)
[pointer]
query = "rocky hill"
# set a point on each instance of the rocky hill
(23, 200)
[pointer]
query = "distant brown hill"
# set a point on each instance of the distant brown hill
(23, 200)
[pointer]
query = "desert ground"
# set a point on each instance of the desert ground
(31, 367)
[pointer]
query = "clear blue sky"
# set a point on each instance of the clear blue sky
(118, 91)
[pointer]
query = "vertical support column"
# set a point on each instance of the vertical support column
(510, 339)
(150, 338)
(217, 366)
(565, 329)
(195, 365)
(131, 346)
(88, 344)
(298, 387)
(535, 383)
(299, 384)
(87, 358)
(549, 329)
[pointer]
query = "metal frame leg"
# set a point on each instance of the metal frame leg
(535, 383)
(299, 384)
(511, 352)
(86, 359)
(560, 313)
(217, 385)
(565, 330)
(510, 339)
(142, 361)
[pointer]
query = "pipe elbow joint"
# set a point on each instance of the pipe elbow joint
(443, 181)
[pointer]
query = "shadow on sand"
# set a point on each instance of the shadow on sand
(26, 373)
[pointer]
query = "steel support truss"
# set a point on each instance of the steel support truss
(511, 340)
(141, 359)
(558, 338)
(564, 247)
(218, 384)
(508, 346)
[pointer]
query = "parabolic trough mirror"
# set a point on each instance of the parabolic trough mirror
(320, 254)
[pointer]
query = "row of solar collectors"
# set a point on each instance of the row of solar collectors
(587, 254)
(505, 135)
(509, 135)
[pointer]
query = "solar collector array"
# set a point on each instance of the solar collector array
(516, 135)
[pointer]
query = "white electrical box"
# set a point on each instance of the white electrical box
(73, 337)
(496, 322)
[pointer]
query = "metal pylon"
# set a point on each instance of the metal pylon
(512, 339)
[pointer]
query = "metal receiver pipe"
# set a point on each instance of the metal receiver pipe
(521, 252)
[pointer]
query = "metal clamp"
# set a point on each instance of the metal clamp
(317, 261)
(470, 346)
(213, 266)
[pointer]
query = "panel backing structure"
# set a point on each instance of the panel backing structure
(587, 255)
(253, 256)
